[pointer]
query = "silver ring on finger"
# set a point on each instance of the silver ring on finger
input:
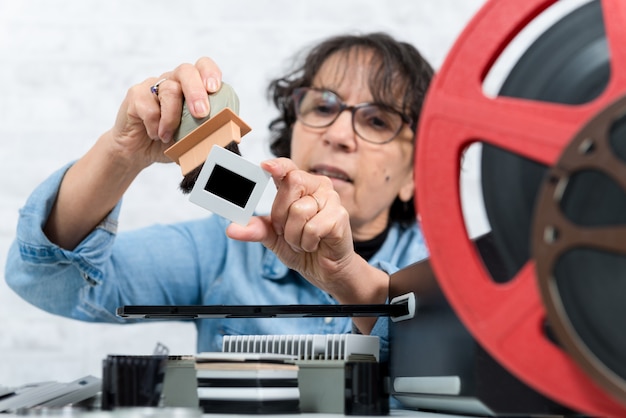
(154, 89)
(319, 206)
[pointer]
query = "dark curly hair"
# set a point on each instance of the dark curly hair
(398, 69)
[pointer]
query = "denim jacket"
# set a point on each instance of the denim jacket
(188, 263)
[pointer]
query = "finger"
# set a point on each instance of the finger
(312, 234)
(278, 168)
(193, 88)
(170, 101)
(329, 225)
(259, 229)
(292, 188)
(197, 81)
(299, 224)
(141, 105)
(210, 73)
(293, 184)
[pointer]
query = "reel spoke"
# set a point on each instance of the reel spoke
(611, 239)
(535, 130)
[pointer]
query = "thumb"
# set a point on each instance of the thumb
(259, 229)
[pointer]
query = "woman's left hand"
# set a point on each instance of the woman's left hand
(308, 228)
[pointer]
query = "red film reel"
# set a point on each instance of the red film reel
(506, 318)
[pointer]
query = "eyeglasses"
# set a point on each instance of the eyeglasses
(375, 123)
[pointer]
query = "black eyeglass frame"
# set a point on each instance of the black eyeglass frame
(299, 93)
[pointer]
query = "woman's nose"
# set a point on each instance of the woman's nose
(340, 133)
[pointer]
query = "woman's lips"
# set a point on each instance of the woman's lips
(332, 172)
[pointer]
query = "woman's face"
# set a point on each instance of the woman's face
(368, 177)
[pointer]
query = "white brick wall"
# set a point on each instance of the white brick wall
(66, 65)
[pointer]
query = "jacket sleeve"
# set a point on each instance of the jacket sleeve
(148, 266)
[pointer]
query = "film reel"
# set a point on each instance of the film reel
(507, 318)
(579, 245)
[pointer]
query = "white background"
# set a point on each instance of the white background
(65, 67)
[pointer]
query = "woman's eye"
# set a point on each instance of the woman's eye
(325, 109)
(377, 119)
(378, 123)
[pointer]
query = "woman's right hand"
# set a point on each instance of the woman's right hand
(146, 122)
(143, 129)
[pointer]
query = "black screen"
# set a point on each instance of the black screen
(229, 186)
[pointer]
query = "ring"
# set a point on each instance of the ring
(319, 207)
(155, 87)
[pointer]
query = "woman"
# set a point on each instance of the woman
(342, 219)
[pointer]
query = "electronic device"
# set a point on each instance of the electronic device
(247, 383)
(306, 347)
(229, 185)
(337, 373)
(49, 394)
